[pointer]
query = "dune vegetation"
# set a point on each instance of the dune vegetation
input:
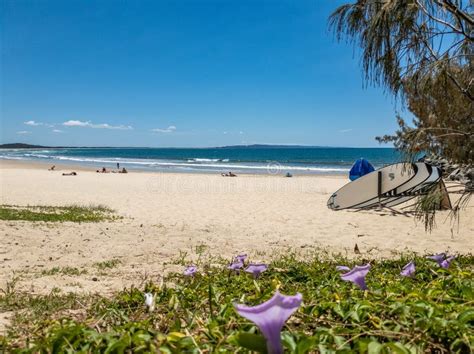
(428, 309)
(72, 213)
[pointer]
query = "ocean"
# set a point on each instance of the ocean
(272, 160)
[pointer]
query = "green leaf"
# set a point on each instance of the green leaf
(466, 316)
(175, 336)
(288, 341)
(251, 341)
(396, 347)
(374, 347)
(305, 345)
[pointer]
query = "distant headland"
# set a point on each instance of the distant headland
(23, 146)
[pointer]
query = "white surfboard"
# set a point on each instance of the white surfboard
(367, 189)
(421, 188)
(423, 174)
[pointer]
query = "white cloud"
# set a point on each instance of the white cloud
(76, 123)
(23, 132)
(170, 129)
(108, 126)
(32, 123)
(345, 131)
(241, 132)
(57, 131)
(225, 132)
(88, 124)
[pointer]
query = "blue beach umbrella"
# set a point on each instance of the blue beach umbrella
(360, 168)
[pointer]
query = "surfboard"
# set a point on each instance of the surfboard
(423, 174)
(421, 188)
(420, 178)
(368, 188)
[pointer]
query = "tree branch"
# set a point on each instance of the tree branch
(453, 79)
(456, 11)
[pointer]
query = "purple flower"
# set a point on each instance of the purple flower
(357, 276)
(438, 258)
(342, 268)
(446, 263)
(408, 270)
(190, 270)
(442, 260)
(240, 258)
(256, 269)
(270, 317)
(236, 266)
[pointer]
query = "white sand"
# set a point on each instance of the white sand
(168, 214)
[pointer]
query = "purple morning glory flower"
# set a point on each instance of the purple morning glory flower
(442, 260)
(256, 269)
(408, 270)
(446, 263)
(190, 270)
(342, 268)
(236, 266)
(240, 258)
(438, 258)
(270, 317)
(357, 276)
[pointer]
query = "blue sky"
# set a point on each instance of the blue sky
(183, 73)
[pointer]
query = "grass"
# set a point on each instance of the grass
(112, 263)
(432, 312)
(64, 271)
(73, 213)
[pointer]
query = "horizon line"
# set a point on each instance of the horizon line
(198, 147)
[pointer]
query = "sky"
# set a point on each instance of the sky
(189, 73)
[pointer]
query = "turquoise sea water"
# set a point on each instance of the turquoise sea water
(307, 160)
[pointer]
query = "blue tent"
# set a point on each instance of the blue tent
(361, 167)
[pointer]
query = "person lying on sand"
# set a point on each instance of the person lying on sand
(123, 170)
(52, 168)
(70, 174)
(230, 174)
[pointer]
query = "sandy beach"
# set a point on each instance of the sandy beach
(168, 216)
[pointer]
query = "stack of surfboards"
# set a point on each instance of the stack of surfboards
(386, 187)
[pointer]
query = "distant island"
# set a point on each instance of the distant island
(23, 146)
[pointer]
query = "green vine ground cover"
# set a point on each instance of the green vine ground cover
(71, 213)
(431, 312)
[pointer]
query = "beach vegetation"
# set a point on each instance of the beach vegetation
(422, 52)
(64, 271)
(201, 248)
(428, 311)
(71, 213)
(108, 264)
(181, 258)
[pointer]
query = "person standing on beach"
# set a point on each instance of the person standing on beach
(118, 166)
